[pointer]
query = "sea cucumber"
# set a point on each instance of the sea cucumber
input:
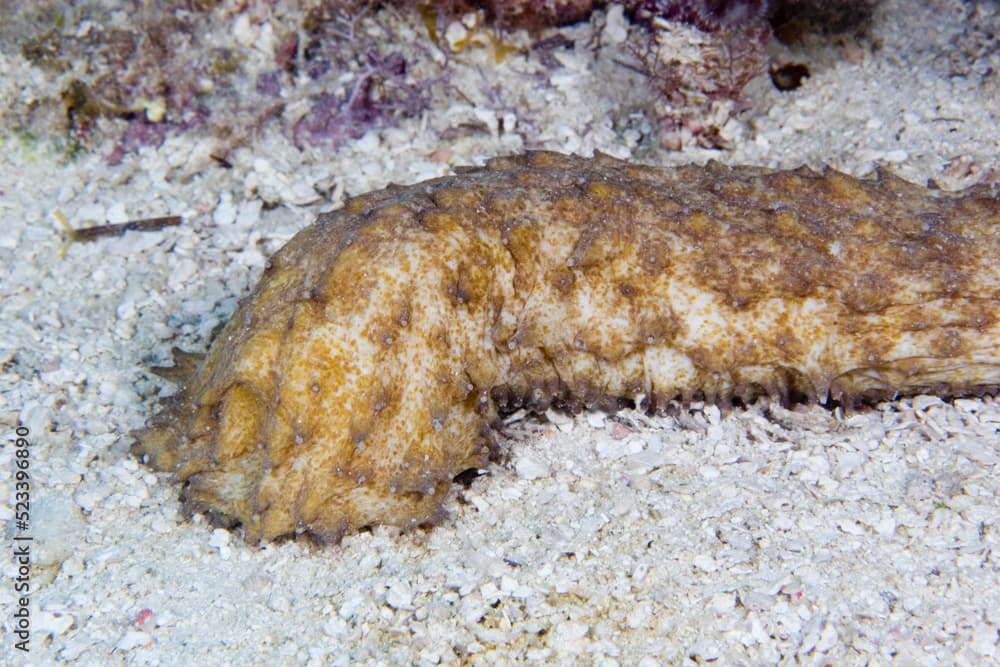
(367, 367)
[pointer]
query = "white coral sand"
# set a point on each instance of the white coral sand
(751, 537)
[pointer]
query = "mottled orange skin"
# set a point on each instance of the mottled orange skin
(365, 370)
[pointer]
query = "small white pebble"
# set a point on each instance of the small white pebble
(133, 639)
(529, 467)
(984, 640)
(615, 25)
(705, 563)
(336, 627)
(571, 630)
(558, 418)
(59, 528)
(455, 34)
(851, 526)
(709, 472)
(225, 212)
(351, 606)
(885, 526)
(610, 449)
(52, 624)
(705, 650)
(116, 214)
(248, 213)
(639, 616)
(244, 31)
(219, 538)
(399, 595)
(896, 156)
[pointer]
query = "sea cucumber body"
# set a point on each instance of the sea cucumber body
(366, 368)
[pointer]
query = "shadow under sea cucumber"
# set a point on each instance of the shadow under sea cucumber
(368, 365)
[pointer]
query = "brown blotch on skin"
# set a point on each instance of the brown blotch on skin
(382, 344)
(563, 281)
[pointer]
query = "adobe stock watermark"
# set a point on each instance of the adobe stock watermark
(21, 546)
